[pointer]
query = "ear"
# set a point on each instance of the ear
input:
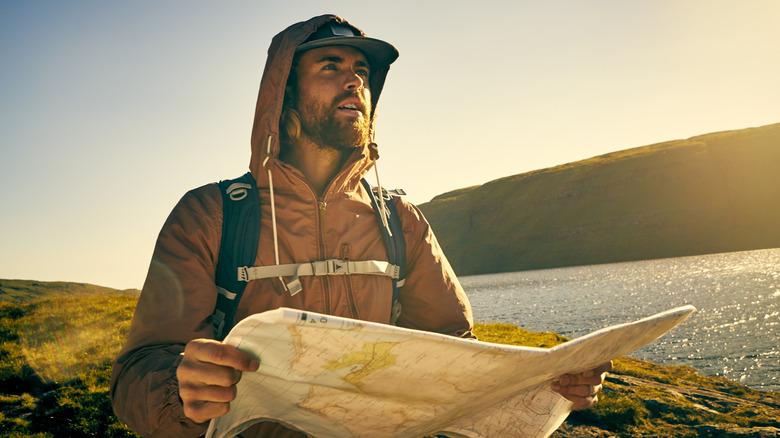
(289, 98)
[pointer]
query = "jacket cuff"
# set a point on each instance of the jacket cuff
(177, 424)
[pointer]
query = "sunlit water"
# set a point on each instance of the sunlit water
(733, 334)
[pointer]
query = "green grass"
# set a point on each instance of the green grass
(60, 347)
(56, 355)
(55, 366)
(509, 334)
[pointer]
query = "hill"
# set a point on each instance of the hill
(20, 291)
(712, 193)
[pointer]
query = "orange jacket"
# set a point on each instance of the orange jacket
(179, 294)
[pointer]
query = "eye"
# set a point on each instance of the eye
(329, 67)
(361, 72)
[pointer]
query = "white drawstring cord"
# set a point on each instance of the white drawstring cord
(273, 206)
(374, 155)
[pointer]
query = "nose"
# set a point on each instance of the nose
(354, 81)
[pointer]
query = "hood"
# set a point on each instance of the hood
(272, 87)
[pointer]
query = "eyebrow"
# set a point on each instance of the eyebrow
(340, 60)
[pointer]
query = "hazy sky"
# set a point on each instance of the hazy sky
(111, 110)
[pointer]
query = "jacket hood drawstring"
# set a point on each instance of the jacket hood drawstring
(273, 206)
(374, 156)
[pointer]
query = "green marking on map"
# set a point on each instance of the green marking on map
(375, 356)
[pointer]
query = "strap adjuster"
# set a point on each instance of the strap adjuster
(337, 267)
(238, 191)
(328, 267)
(243, 273)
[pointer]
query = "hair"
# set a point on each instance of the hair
(290, 119)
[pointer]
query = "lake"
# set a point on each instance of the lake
(734, 332)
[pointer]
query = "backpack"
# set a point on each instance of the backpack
(238, 249)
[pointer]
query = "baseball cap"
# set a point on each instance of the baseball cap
(378, 52)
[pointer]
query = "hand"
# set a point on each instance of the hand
(582, 389)
(208, 375)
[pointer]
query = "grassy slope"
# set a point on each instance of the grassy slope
(56, 353)
(20, 291)
(55, 363)
(712, 193)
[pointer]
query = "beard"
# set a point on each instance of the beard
(320, 124)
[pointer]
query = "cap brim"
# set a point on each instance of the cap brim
(378, 52)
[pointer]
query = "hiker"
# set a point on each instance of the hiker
(311, 146)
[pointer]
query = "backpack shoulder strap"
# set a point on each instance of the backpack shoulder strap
(393, 236)
(240, 233)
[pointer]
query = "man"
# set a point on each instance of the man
(311, 145)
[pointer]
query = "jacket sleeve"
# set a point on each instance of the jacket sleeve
(175, 306)
(432, 298)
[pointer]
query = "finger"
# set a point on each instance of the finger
(579, 403)
(590, 378)
(585, 390)
(574, 379)
(200, 412)
(192, 371)
(602, 369)
(579, 391)
(207, 393)
(595, 376)
(581, 396)
(567, 380)
(208, 350)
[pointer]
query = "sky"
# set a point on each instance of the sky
(111, 110)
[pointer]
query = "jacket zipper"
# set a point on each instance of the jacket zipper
(321, 236)
(321, 205)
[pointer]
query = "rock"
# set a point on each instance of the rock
(656, 406)
(728, 431)
(570, 431)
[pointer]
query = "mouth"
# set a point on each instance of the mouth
(352, 107)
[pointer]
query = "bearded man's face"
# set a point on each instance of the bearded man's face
(333, 99)
(322, 123)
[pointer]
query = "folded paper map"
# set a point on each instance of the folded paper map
(337, 377)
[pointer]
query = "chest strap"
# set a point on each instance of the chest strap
(318, 268)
